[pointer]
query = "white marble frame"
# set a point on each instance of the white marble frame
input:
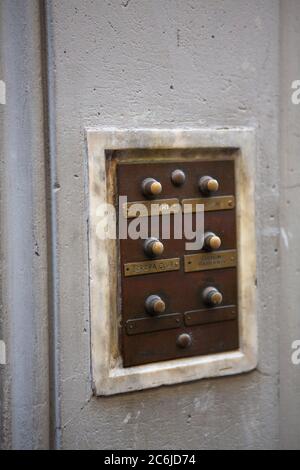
(109, 377)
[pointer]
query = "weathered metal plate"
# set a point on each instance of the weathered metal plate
(150, 267)
(211, 260)
(148, 325)
(151, 208)
(216, 203)
(162, 345)
(154, 339)
(213, 315)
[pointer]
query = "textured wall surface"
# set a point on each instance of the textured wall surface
(24, 387)
(171, 63)
(290, 227)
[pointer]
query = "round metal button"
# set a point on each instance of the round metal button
(212, 241)
(151, 187)
(153, 247)
(178, 177)
(208, 185)
(212, 296)
(155, 305)
(184, 341)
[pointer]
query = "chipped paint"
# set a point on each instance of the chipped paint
(271, 232)
(2, 92)
(2, 353)
(284, 237)
(127, 418)
(258, 23)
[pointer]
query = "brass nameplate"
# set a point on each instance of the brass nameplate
(211, 260)
(212, 315)
(151, 208)
(153, 266)
(148, 325)
(217, 203)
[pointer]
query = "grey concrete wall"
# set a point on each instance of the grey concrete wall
(290, 227)
(138, 63)
(172, 62)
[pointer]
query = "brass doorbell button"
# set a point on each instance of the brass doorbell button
(184, 341)
(212, 241)
(151, 187)
(212, 296)
(178, 177)
(153, 247)
(208, 185)
(155, 305)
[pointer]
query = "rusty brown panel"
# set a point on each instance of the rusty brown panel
(180, 291)
(131, 176)
(222, 223)
(154, 347)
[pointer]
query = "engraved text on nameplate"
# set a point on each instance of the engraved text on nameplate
(150, 267)
(151, 208)
(215, 260)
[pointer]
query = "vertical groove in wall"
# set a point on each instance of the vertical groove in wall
(289, 226)
(5, 431)
(24, 235)
(50, 139)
